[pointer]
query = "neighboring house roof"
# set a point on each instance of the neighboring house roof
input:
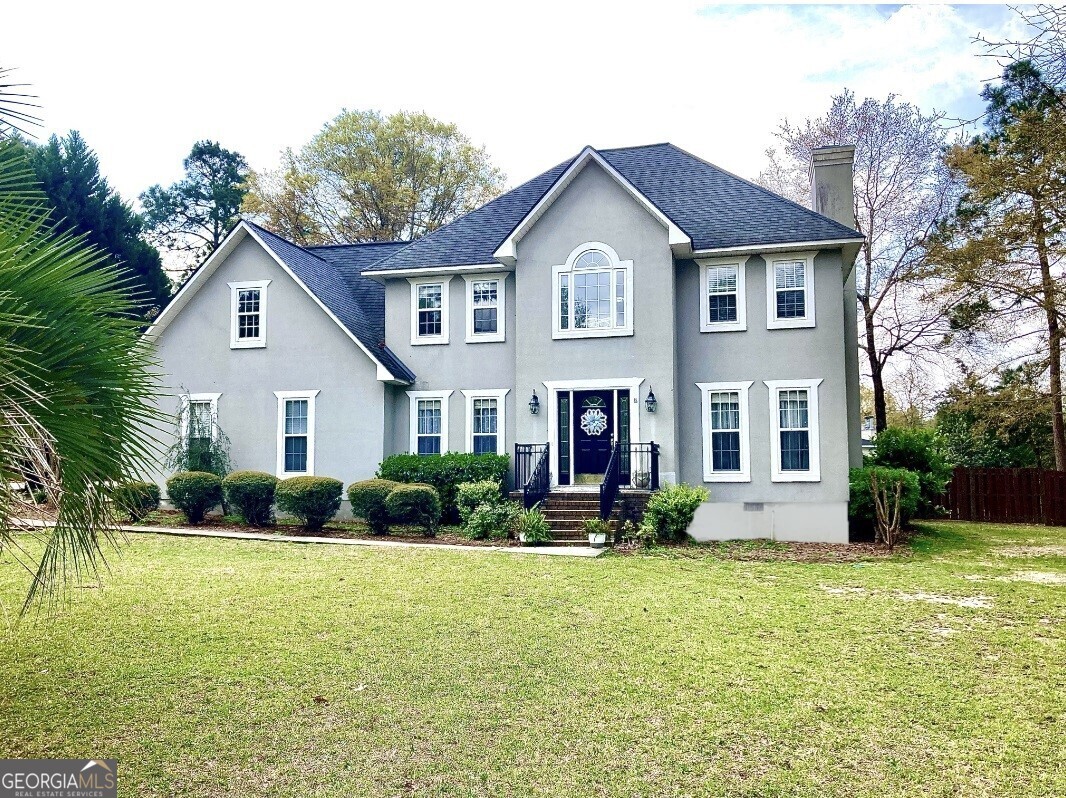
(715, 208)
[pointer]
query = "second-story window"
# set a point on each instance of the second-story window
(429, 310)
(485, 307)
(593, 294)
(248, 314)
(790, 290)
(722, 300)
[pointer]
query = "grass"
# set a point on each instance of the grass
(211, 668)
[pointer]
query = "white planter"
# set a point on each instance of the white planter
(597, 540)
(522, 538)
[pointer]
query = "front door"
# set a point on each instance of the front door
(594, 429)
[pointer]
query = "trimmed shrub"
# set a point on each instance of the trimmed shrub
(194, 493)
(492, 521)
(669, 513)
(534, 526)
(314, 500)
(445, 473)
(917, 451)
(471, 495)
(418, 505)
(861, 513)
(368, 502)
(252, 494)
(136, 500)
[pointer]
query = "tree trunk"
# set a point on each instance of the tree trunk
(876, 367)
(1054, 330)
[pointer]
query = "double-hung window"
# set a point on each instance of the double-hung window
(199, 427)
(593, 294)
(486, 307)
(726, 448)
(722, 303)
(429, 422)
(248, 305)
(429, 310)
(485, 421)
(790, 290)
(794, 430)
(296, 433)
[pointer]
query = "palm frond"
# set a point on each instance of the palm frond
(15, 106)
(77, 382)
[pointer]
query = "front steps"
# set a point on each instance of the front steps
(567, 512)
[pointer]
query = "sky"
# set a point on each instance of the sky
(531, 82)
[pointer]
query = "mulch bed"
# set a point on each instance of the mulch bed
(352, 530)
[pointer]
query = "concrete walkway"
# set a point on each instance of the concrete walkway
(562, 551)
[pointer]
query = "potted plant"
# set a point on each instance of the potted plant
(642, 479)
(597, 530)
(533, 528)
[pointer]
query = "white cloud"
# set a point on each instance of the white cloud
(533, 82)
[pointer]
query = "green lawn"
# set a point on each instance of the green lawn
(222, 668)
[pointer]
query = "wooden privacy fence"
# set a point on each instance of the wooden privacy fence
(1007, 495)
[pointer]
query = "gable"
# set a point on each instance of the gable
(698, 201)
(321, 282)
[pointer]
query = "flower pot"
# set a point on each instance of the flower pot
(597, 539)
(642, 479)
(522, 538)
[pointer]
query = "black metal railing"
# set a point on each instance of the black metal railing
(611, 481)
(639, 465)
(532, 471)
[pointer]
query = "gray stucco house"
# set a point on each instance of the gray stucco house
(615, 278)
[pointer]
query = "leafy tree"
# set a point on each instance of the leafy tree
(1005, 238)
(76, 381)
(918, 451)
(901, 189)
(1006, 425)
(84, 204)
(194, 214)
(365, 177)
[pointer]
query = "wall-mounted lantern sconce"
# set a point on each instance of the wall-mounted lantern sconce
(534, 403)
(651, 402)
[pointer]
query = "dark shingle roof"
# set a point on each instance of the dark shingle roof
(474, 237)
(715, 208)
(332, 275)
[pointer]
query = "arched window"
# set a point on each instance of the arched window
(593, 294)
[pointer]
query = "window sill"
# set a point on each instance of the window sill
(486, 338)
(789, 324)
(723, 477)
(725, 326)
(430, 341)
(798, 476)
(260, 344)
(595, 333)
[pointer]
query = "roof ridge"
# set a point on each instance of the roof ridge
(290, 243)
(763, 189)
(636, 147)
(358, 244)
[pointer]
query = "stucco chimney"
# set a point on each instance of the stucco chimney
(832, 189)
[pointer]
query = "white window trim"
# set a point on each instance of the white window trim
(568, 268)
(741, 323)
(814, 473)
(501, 308)
(280, 465)
(774, 323)
(248, 343)
(445, 290)
(501, 418)
(709, 474)
(415, 396)
(183, 418)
